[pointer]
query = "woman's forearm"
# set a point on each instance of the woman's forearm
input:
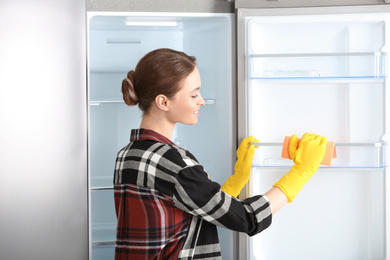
(277, 199)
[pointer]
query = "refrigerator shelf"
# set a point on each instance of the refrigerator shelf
(342, 54)
(102, 188)
(103, 243)
(318, 65)
(114, 101)
(349, 155)
(99, 102)
(327, 79)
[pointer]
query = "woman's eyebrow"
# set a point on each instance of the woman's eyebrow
(195, 89)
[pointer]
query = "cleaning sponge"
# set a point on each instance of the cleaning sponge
(329, 153)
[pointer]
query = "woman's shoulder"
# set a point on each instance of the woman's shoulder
(187, 157)
(167, 155)
(170, 153)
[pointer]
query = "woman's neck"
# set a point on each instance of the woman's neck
(157, 123)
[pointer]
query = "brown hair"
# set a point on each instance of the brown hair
(161, 71)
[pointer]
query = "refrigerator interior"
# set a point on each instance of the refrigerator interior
(116, 42)
(323, 74)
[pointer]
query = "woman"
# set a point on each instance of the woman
(166, 205)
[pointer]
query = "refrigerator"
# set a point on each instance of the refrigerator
(317, 69)
(321, 70)
(268, 72)
(116, 42)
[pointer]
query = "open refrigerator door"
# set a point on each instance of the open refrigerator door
(323, 71)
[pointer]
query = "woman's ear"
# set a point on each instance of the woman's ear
(162, 102)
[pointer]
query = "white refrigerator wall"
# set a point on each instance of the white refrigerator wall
(43, 130)
(114, 49)
(324, 71)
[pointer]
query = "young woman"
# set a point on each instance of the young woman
(167, 206)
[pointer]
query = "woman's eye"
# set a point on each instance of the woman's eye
(195, 96)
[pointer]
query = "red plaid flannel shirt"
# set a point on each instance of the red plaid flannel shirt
(167, 206)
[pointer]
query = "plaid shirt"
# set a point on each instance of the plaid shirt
(167, 206)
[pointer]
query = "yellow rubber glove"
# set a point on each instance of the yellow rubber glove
(307, 158)
(242, 170)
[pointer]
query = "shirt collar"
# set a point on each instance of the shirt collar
(147, 134)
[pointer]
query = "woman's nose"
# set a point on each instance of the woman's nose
(201, 101)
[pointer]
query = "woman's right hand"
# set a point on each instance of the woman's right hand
(234, 184)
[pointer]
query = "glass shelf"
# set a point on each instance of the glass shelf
(117, 101)
(99, 102)
(358, 65)
(349, 155)
(102, 188)
(103, 243)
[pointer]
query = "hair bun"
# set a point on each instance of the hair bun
(129, 95)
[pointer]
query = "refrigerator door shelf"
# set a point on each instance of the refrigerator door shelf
(349, 155)
(318, 65)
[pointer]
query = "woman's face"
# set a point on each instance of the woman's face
(184, 107)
